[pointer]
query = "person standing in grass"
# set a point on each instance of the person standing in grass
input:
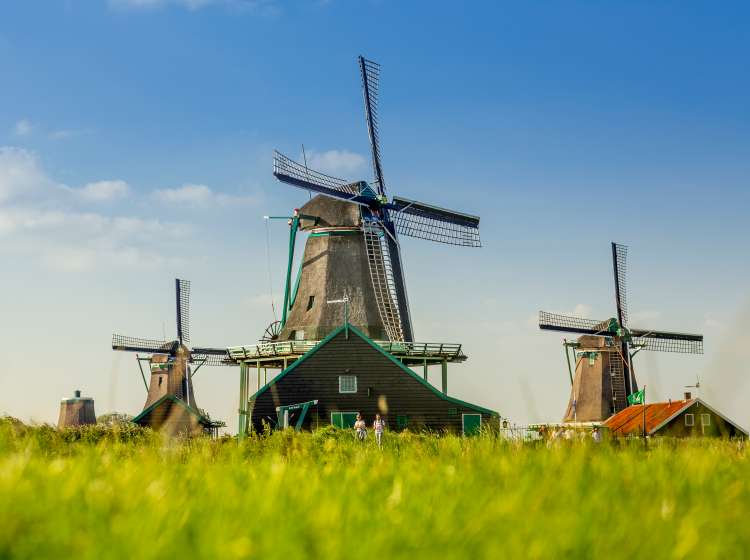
(379, 426)
(361, 428)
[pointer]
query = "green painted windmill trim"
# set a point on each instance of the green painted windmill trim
(392, 358)
(335, 233)
(202, 419)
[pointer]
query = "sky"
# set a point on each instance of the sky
(136, 141)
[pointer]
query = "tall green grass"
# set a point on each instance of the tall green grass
(98, 493)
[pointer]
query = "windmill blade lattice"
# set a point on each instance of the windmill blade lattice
(370, 86)
(565, 323)
(182, 293)
(145, 345)
(662, 341)
(620, 265)
(289, 171)
(212, 357)
(425, 221)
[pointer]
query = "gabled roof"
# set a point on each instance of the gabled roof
(658, 415)
(377, 347)
(201, 419)
(630, 420)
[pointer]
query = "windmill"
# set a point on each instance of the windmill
(353, 250)
(171, 362)
(604, 351)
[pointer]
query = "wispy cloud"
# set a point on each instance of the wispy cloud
(41, 218)
(67, 133)
(336, 162)
(23, 128)
(198, 195)
(103, 191)
(265, 7)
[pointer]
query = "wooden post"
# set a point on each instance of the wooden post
(242, 420)
(445, 376)
(425, 369)
(257, 372)
(265, 376)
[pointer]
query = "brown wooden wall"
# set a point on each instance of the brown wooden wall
(718, 426)
(379, 380)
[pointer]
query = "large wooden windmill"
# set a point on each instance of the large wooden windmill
(604, 374)
(353, 249)
(170, 402)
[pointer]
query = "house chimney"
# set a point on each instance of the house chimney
(688, 395)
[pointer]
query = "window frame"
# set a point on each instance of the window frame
(707, 417)
(341, 390)
(691, 416)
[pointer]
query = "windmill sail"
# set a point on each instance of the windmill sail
(145, 345)
(620, 266)
(663, 341)
(417, 219)
(370, 85)
(182, 293)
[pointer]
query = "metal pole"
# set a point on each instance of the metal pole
(138, 359)
(425, 369)
(257, 372)
(445, 376)
(567, 357)
(645, 442)
(243, 402)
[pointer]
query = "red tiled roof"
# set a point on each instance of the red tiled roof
(630, 420)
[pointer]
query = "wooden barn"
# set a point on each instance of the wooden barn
(680, 418)
(348, 373)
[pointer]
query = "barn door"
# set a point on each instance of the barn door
(472, 423)
(343, 419)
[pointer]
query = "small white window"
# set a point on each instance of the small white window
(690, 419)
(347, 383)
(705, 419)
(299, 335)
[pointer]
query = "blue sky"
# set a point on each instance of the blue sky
(137, 138)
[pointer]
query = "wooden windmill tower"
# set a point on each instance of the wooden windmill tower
(170, 402)
(604, 351)
(353, 249)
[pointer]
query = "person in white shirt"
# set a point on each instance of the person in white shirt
(379, 427)
(361, 428)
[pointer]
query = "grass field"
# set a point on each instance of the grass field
(127, 494)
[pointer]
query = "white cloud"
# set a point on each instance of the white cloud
(336, 162)
(66, 133)
(23, 128)
(263, 6)
(644, 317)
(39, 218)
(582, 310)
(19, 173)
(101, 191)
(198, 195)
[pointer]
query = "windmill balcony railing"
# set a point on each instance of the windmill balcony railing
(418, 350)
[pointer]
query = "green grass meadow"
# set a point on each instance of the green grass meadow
(126, 493)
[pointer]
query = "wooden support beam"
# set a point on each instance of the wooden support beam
(445, 376)
(425, 369)
(242, 419)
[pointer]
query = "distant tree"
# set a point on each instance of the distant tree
(112, 419)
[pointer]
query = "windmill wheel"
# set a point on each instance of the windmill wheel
(272, 332)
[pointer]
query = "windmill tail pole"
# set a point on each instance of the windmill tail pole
(288, 282)
(645, 441)
(567, 357)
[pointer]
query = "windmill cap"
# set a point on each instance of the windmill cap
(76, 397)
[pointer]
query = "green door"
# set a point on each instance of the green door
(343, 419)
(472, 424)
